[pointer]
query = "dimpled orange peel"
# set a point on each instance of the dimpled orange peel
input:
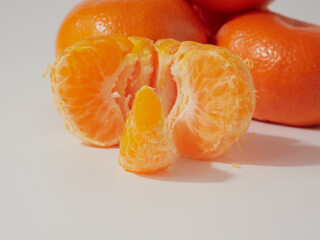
(285, 53)
(152, 19)
(145, 144)
(206, 91)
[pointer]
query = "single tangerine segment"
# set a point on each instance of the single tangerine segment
(145, 144)
(215, 100)
(95, 81)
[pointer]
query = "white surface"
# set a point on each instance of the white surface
(53, 187)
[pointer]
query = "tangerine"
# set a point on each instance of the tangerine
(147, 18)
(286, 59)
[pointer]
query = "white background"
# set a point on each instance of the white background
(53, 187)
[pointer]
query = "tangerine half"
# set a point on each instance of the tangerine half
(94, 83)
(215, 100)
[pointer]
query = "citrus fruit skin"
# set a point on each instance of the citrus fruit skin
(145, 144)
(286, 64)
(231, 5)
(147, 18)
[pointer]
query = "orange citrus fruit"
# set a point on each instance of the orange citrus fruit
(229, 6)
(145, 144)
(206, 91)
(286, 59)
(153, 19)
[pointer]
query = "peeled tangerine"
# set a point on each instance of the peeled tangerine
(206, 92)
(145, 144)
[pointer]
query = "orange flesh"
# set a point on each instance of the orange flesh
(94, 83)
(145, 144)
(215, 102)
(206, 92)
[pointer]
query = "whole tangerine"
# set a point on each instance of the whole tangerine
(147, 18)
(286, 64)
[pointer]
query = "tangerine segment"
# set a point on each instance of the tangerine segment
(95, 81)
(215, 100)
(145, 144)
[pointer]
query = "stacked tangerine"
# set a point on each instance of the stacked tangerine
(169, 93)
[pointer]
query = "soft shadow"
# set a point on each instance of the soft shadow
(313, 127)
(188, 170)
(317, 128)
(265, 150)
